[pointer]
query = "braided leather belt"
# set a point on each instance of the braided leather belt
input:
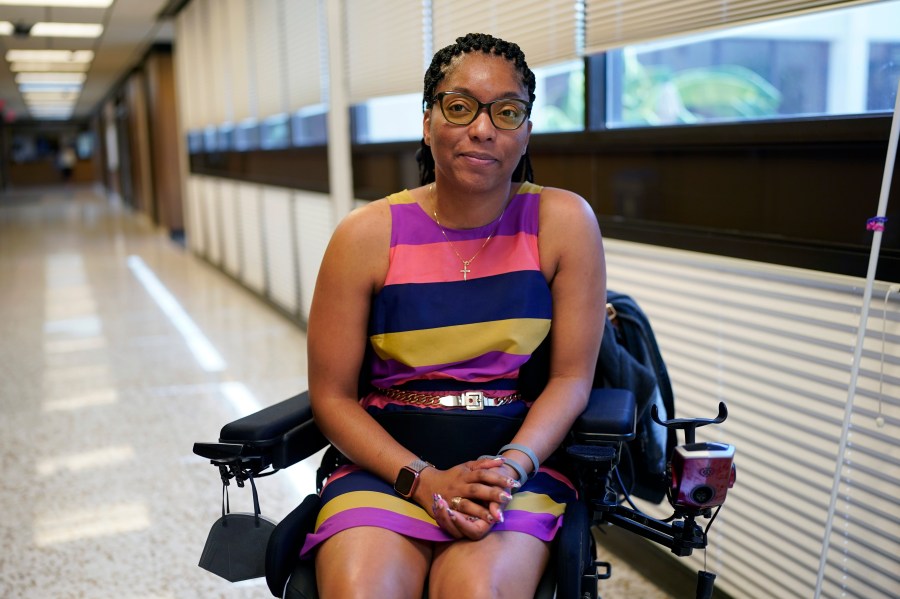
(470, 400)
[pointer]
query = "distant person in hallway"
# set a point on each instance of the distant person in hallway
(67, 160)
(438, 295)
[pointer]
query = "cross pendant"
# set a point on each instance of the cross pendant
(465, 270)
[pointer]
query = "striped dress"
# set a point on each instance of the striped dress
(430, 331)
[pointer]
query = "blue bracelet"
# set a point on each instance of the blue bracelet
(531, 456)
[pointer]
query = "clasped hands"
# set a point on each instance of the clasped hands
(467, 500)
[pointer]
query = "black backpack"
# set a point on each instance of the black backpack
(630, 359)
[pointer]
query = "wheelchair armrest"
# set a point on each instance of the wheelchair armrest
(279, 435)
(610, 417)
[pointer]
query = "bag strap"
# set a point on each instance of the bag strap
(226, 505)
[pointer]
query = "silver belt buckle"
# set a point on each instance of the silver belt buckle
(473, 400)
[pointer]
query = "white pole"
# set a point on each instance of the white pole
(340, 169)
(860, 337)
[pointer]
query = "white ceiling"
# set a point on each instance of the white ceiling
(130, 28)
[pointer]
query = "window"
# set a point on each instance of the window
(835, 63)
(559, 106)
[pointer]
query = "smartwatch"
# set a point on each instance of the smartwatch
(408, 478)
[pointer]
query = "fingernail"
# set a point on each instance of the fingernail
(500, 516)
(474, 518)
(490, 519)
(511, 482)
(451, 513)
(437, 502)
(500, 458)
(504, 496)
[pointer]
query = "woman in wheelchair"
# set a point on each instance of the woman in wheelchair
(437, 296)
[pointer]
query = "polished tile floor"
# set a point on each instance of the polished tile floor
(119, 350)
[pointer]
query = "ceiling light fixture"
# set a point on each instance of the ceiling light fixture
(63, 3)
(31, 67)
(44, 29)
(50, 78)
(49, 55)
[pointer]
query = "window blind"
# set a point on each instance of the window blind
(385, 48)
(775, 344)
(190, 63)
(304, 58)
(614, 23)
(217, 42)
(268, 58)
(544, 29)
(236, 57)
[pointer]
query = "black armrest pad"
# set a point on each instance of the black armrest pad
(269, 423)
(611, 416)
(285, 430)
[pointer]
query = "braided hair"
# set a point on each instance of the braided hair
(440, 65)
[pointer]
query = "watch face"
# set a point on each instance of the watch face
(406, 480)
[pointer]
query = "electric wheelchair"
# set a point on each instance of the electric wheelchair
(285, 433)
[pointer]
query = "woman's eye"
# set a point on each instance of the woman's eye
(510, 111)
(459, 107)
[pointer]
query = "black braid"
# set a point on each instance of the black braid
(440, 63)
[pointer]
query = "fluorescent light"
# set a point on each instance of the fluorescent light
(6, 28)
(66, 30)
(50, 55)
(65, 3)
(36, 67)
(49, 87)
(50, 78)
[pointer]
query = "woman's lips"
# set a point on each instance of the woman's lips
(478, 158)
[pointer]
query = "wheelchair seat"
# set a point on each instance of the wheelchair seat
(285, 433)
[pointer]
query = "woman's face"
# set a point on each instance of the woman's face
(477, 155)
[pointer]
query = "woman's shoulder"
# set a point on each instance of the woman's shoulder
(558, 203)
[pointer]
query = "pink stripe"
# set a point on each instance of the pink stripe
(437, 262)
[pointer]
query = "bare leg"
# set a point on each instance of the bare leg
(502, 565)
(372, 562)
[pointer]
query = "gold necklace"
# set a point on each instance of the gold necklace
(465, 269)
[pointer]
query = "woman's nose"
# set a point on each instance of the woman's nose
(482, 127)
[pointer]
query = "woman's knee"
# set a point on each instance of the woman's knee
(370, 562)
(510, 569)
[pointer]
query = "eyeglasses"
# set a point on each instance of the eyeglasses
(462, 109)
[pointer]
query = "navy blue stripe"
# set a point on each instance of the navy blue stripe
(415, 306)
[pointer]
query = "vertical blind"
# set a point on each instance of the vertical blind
(544, 29)
(613, 23)
(385, 47)
(775, 344)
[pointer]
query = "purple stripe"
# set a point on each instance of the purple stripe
(386, 373)
(542, 526)
(417, 227)
(351, 518)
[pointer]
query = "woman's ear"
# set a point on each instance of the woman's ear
(426, 126)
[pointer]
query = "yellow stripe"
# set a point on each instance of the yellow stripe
(530, 188)
(536, 503)
(441, 345)
(372, 499)
(401, 197)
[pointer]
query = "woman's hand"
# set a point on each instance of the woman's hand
(468, 499)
